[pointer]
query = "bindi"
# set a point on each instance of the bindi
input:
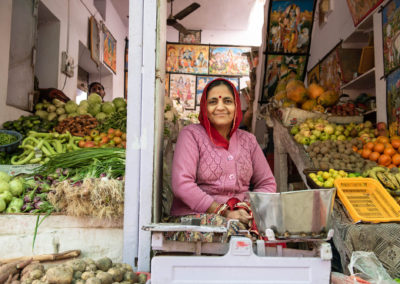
(220, 97)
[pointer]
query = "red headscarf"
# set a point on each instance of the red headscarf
(214, 135)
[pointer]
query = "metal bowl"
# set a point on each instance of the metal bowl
(295, 214)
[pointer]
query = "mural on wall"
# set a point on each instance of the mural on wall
(290, 26)
(202, 81)
(279, 67)
(313, 75)
(393, 102)
(109, 50)
(182, 87)
(359, 9)
(225, 60)
(330, 73)
(391, 35)
(192, 36)
(185, 58)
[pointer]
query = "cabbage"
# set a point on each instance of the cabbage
(4, 176)
(94, 109)
(84, 103)
(73, 114)
(16, 187)
(94, 99)
(51, 108)
(121, 109)
(101, 116)
(108, 107)
(39, 106)
(4, 186)
(6, 196)
(52, 115)
(119, 102)
(3, 205)
(82, 110)
(62, 117)
(71, 107)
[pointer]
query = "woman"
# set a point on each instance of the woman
(215, 162)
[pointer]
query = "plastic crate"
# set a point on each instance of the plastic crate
(367, 200)
(9, 148)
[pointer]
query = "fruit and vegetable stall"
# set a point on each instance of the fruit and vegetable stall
(329, 141)
(62, 172)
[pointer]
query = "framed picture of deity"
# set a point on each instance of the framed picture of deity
(313, 75)
(229, 60)
(330, 72)
(202, 81)
(290, 25)
(359, 9)
(182, 88)
(280, 67)
(391, 36)
(192, 36)
(187, 58)
(393, 102)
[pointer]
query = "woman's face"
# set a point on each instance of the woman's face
(220, 106)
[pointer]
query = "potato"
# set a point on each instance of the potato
(117, 274)
(91, 267)
(93, 280)
(77, 274)
(32, 266)
(79, 281)
(104, 263)
(77, 265)
(59, 275)
(38, 282)
(88, 274)
(89, 261)
(36, 274)
(105, 277)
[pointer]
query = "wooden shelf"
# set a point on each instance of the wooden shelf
(360, 36)
(364, 81)
(370, 111)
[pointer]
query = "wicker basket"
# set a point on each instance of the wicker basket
(9, 148)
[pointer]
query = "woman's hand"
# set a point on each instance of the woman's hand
(240, 215)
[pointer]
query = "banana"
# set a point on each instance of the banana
(393, 180)
(385, 181)
(397, 176)
(373, 172)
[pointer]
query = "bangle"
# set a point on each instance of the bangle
(221, 209)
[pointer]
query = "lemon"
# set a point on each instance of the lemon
(326, 175)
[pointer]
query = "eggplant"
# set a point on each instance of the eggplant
(38, 204)
(27, 198)
(36, 199)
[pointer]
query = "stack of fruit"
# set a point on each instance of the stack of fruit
(383, 151)
(347, 109)
(320, 129)
(113, 138)
(327, 178)
(292, 93)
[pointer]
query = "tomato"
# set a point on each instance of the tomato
(123, 136)
(117, 140)
(81, 143)
(89, 144)
(110, 136)
(118, 133)
(102, 134)
(111, 131)
(87, 138)
(104, 139)
(97, 138)
(94, 133)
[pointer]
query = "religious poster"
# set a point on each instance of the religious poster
(202, 81)
(109, 50)
(330, 73)
(313, 75)
(280, 67)
(182, 88)
(391, 36)
(359, 9)
(192, 36)
(290, 26)
(186, 58)
(225, 60)
(393, 102)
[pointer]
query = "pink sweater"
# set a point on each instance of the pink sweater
(203, 173)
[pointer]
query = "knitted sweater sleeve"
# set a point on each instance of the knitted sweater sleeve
(184, 171)
(262, 178)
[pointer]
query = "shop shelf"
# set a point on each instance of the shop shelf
(364, 81)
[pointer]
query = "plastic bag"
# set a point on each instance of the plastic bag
(370, 268)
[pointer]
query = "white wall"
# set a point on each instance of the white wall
(6, 112)
(78, 31)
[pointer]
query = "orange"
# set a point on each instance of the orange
(369, 145)
(391, 166)
(389, 151)
(382, 139)
(396, 143)
(396, 159)
(379, 147)
(355, 149)
(360, 151)
(384, 160)
(365, 153)
(374, 156)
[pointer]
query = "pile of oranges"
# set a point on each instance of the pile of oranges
(384, 151)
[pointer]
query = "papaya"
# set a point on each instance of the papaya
(295, 91)
(314, 91)
(309, 104)
(318, 108)
(328, 98)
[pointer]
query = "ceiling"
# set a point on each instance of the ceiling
(212, 14)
